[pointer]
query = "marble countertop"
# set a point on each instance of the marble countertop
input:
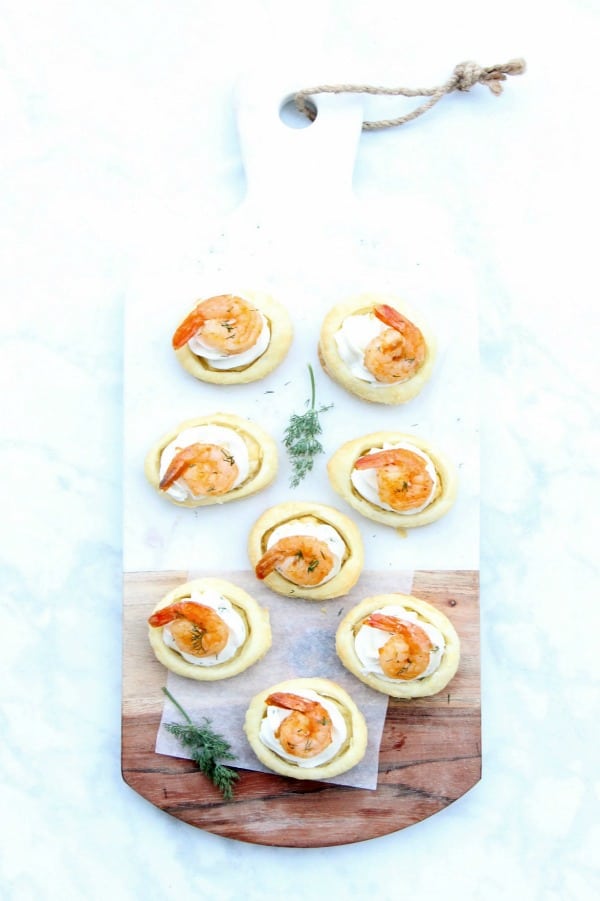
(119, 136)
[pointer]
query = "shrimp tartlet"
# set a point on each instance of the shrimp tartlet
(209, 629)
(376, 349)
(212, 460)
(306, 729)
(394, 478)
(230, 339)
(306, 550)
(399, 645)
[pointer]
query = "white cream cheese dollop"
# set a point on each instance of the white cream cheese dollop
(231, 442)
(219, 360)
(275, 716)
(237, 629)
(322, 531)
(365, 480)
(368, 640)
(352, 338)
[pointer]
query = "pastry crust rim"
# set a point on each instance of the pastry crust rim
(279, 344)
(341, 464)
(268, 459)
(349, 756)
(420, 688)
(257, 643)
(335, 367)
(351, 568)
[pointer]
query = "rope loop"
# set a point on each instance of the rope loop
(463, 78)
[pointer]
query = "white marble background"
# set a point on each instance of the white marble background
(117, 123)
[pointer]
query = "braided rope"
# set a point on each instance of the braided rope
(464, 77)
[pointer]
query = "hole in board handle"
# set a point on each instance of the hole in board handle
(290, 115)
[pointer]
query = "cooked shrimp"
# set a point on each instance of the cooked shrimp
(403, 481)
(399, 351)
(406, 654)
(307, 730)
(225, 323)
(205, 468)
(196, 629)
(301, 559)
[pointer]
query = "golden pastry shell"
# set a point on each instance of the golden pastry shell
(257, 643)
(351, 567)
(279, 344)
(341, 465)
(430, 685)
(337, 369)
(350, 753)
(262, 452)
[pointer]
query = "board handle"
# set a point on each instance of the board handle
(296, 169)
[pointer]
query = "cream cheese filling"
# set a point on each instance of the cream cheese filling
(365, 480)
(352, 339)
(231, 442)
(238, 631)
(322, 532)
(368, 640)
(275, 716)
(219, 360)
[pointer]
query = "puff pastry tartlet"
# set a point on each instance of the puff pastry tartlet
(394, 478)
(377, 349)
(306, 729)
(209, 629)
(306, 550)
(399, 645)
(212, 460)
(230, 339)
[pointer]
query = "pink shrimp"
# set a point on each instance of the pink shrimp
(197, 629)
(225, 323)
(399, 351)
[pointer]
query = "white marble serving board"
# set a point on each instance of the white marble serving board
(300, 236)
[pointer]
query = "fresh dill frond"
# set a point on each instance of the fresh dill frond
(300, 438)
(206, 748)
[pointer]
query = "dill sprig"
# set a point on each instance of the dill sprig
(206, 749)
(300, 437)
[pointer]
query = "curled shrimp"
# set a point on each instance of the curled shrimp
(196, 629)
(399, 351)
(403, 481)
(205, 468)
(301, 559)
(225, 323)
(307, 730)
(406, 654)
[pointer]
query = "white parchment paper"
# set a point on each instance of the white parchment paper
(303, 645)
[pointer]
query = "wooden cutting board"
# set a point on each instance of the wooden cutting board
(297, 230)
(430, 751)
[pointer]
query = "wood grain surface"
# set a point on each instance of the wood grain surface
(430, 751)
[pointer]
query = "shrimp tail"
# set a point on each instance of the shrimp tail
(290, 701)
(389, 316)
(268, 562)
(384, 622)
(376, 460)
(188, 328)
(178, 465)
(189, 610)
(165, 615)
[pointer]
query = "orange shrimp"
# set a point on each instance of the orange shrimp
(225, 323)
(406, 654)
(196, 629)
(301, 559)
(307, 730)
(205, 468)
(399, 351)
(403, 481)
